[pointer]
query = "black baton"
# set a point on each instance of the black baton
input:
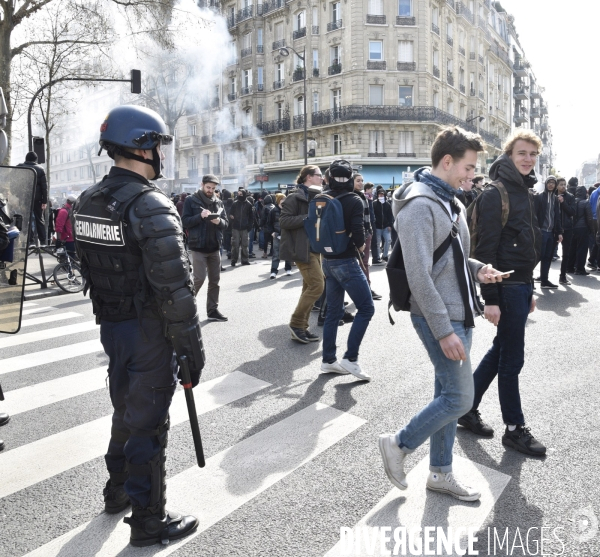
(189, 398)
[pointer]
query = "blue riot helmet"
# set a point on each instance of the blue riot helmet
(135, 127)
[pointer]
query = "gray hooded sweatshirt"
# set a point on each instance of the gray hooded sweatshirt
(423, 223)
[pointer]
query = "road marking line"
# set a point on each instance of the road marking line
(230, 479)
(46, 334)
(49, 318)
(27, 361)
(418, 508)
(42, 459)
(29, 311)
(49, 392)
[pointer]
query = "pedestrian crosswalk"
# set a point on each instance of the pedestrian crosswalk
(235, 476)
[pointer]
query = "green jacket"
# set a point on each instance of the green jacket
(294, 244)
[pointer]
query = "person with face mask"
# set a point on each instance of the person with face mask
(274, 225)
(384, 220)
(241, 216)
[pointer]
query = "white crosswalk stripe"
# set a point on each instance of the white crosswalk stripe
(29, 311)
(230, 479)
(27, 361)
(49, 318)
(28, 465)
(17, 340)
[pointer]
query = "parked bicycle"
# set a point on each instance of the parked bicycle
(67, 274)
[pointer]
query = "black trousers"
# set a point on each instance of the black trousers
(566, 251)
(40, 224)
(579, 249)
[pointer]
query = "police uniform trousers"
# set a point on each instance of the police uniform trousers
(142, 376)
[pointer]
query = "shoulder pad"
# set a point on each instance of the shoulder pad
(152, 203)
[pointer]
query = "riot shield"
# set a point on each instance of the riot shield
(17, 190)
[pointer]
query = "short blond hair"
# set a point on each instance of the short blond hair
(524, 134)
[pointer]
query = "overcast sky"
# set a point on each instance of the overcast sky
(562, 42)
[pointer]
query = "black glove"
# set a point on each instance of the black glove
(194, 375)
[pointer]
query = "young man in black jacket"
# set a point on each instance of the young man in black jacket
(567, 210)
(344, 274)
(205, 237)
(242, 217)
(384, 220)
(515, 247)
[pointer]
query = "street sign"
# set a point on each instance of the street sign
(261, 177)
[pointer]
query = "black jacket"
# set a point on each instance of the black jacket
(518, 245)
(41, 187)
(203, 234)
(273, 220)
(354, 223)
(583, 212)
(366, 212)
(383, 214)
(265, 222)
(567, 210)
(542, 200)
(242, 214)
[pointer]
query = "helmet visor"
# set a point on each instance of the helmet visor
(166, 151)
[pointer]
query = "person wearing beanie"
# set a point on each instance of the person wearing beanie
(274, 225)
(40, 201)
(547, 208)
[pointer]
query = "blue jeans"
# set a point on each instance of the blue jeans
(142, 377)
(547, 251)
(275, 260)
(251, 241)
(452, 398)
(345, 275)
(506, 357)
(387, 238)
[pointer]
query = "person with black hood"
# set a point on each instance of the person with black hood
(205, 236)
(40, 201)
(273, 224)
(343, 273)
(227, 203)
(547, 208)
(267, 229)
(241, 216)
(515, 248)
(567, 210)
(384, 220)
(583, 226)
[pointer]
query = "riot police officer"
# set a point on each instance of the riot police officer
(129, 238)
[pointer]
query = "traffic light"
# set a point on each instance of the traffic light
(136, 81)
(39, 148)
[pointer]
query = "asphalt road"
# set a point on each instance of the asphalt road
(293, 453)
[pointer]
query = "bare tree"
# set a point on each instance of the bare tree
(149, 17)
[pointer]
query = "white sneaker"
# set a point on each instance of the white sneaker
(272, 276)
(447, 483)
(288, 273)
(354, 369)
(335, 367)
(393, 460)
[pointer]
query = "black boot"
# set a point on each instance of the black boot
(148, 528)
(115, 496)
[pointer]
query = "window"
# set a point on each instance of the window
(405, 96)
(315, 58)
(206, 162)
(436, 100)
(217, 162)
(232, 86)
(336, 98)
(472, 44)
(436, 58)
(279, 31)
(299, 106)
(461, 39)
(233, 118)
(89, 171)
(375, 50)
(315, 102)
(472, 82)
(449, 29)
(376, 142)
(81, 171)
(259, 37)
(298, 62)
(405, 146)
(247, 78)
(192, 163)
(337, 144)
(376, 95)
(463, 111)
(192, 129)
(315, 16)
(280, 152)
(233, 52)
(375, 7)
(435, 16)
(300, 20)
(336, 11)
(449, 66)
(68, 156)
(405, 8)
(334, 55)
(461, 77)
(260, 76)
(450, 106)
(259, 116)
(247, 40)
(279, 71)
(406, 51)
(279, 110)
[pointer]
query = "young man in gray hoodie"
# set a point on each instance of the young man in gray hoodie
(442, 305)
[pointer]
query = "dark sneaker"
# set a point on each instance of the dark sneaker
(321, 322)
(216, 315)
(246, 263)
(252, 256)
(537, 279)
(115, 498)
(378, 262)
(521, 440)
(299, 335)
(472, 421)
(223, 269)
(348, 317)
(311, 337)
(316, 308)
(549, 285)
(375, 296)
(581, 273)
(233, 263)
(564, 280)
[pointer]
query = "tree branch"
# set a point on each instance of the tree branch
(18, 49)
(27, 9)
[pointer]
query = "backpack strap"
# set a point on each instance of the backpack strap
(505, 201)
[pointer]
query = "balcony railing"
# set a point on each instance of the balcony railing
(450, 3)
(480, 57)
(535, 112)
(247, 90)
(208, 4)
(436, 71)
(520, 69)
(376, 19)
(278, 84)
(205, 139)
(231, 97)
(192, 172)
(230, 22)
(205, 170)
(333, 25)
(481, 95)
(272, 5)
(278, 44)
(544, 127)
(217, 169)
(376, 65)
(472, 91)
(214, 103)
(315, 30)
(450, 78)
(407, 155)
(450, 41)
(463, 10)
(334, 69)
(248, 131)
(246, 52)
(274, 126)
(461, 50)
(315, 72)
(244, 13)
(260, 87)
(406, 66)
(521, 93)
(403, 20)
(462, 89)
(435, 28)
(472, 56)
(299, 121)
(376, 155)
(298, 34)
(260, 49)
(543, 109)
(298, 75)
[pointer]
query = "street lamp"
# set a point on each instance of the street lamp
(479, 120)
(285, 51)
